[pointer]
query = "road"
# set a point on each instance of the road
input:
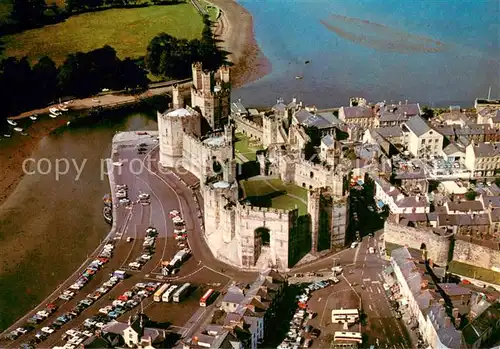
(142, 175)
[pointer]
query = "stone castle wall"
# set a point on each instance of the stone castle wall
(248, 127)
(480, 256)
(279, 222)
(438, 246)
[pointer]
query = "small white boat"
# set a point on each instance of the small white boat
(12, 122)
(62, 108)
(18, 129)
(299, 77)
(54, 110)
(33, 117)
(53, 116)
(68, 123)
(6, 135)
(24, 134)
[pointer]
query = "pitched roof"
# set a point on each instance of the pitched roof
(418, 126)
(486, 149)
(484, 322)
(359, 111)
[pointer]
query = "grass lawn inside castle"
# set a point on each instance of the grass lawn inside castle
(274, 193)
(246, 148)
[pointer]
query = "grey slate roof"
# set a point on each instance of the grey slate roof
(486, 150)
(328, 116)
(418, 126)
(357, 112)
(390, 131)
(453, 148)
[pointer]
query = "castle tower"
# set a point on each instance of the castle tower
(197, 72)
(177, 98)
(211, 93)
(270, 130)
(172, 126)
(313, 209)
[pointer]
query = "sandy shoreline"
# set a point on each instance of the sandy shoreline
(235, 28)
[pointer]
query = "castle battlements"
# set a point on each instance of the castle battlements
(314, 166)
(223, 92)
(212, 143)
(246, 121)
(186, 113)
(268, 212)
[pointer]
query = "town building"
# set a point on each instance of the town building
(483, 159)
(422, 139)
(436, 327)
(249, 312)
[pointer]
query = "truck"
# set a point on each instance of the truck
(120, 274)
(181, 292)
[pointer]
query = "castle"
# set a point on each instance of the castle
(242, 235)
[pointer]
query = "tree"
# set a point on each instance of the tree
(28, 12)
(132, 76)
(15, 84)
(427, 112)
(470, 195)
(45, 80)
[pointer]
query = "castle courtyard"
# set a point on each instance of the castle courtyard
(274, 193)
(245, 148)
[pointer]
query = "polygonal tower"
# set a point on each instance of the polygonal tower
(211, 92)
(172, 126)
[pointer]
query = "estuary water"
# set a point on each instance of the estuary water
(436, 52)
(50, 223)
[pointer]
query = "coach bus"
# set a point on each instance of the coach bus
(341, 316)
(348, 337)
(169, 294)
(159, 292)
(205, 300)
(181, 292)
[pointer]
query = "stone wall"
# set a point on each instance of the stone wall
(199, 157)
(438, 246)
(248, 127)
(218, 215)
(480, 256)
(250, 219)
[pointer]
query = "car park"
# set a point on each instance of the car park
(47, 330)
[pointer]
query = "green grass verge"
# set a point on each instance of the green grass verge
(213, 11)
(245, 147)
(263, 193)
(474, 272)
(127, 30)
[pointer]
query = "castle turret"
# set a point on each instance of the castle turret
(211, 93)
(177, 98)
(313, 209)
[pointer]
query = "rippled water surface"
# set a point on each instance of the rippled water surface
(437, 52)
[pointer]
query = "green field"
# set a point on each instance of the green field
(127, 30)
(246, 147)
(274, 193)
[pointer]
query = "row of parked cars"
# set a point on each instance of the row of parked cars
(73, 313)
(148, 249)
(300, 333)
(179, 229)
(66, 295)
(123, 303)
